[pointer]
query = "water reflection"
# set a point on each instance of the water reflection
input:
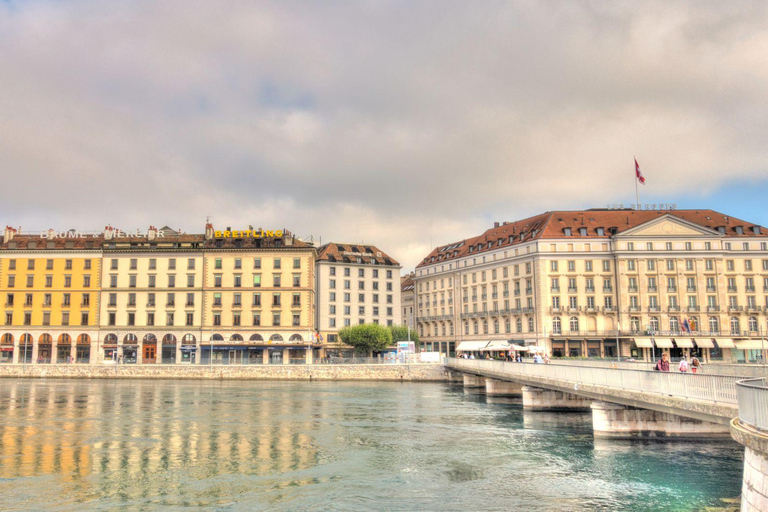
(65, 445)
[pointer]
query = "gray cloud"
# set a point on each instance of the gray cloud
(402, 124)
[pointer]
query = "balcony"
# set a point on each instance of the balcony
(609, 310)
(217, 304)
(555, 290)
(652, 289)
(632, 288)
(517, 293)
(485, 296)
(592, 309)
(673, 309)
(732, 289)
(590, 289)
(634, 309)
(555, 310)
(690, 288)
(735, 308)
(132, 304)
(753, 307)
(464, 299)
(528, 291)
(494, 295)
(693, 308)
(572, 290)
(506, 294)
(450, 301)
(150, 304)
(711, 289)
(654, 309)
(574, 310)
(672, 289)
(474, 298)
(607, 289)
(713, 309)
(296, 304)
(750, 289)
(190, 304)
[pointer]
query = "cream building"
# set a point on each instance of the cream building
(408, 301)
(356, 284)
(595, 282)
(259, 298)
(151, 297)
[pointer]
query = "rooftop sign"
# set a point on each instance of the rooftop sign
(249, 233)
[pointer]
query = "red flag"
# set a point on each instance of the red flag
(638, 174)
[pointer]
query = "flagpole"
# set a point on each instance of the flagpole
(637, 192)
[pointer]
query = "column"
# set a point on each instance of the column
(265, 355)
(623, 422)
(34, 353)
(495, 387)
(16, 351)
(286, 356)
(473, 381)
(178, 352)
(538, 399)
(54, 351)
(73, 351)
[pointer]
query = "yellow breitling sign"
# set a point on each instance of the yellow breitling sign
(255, 233)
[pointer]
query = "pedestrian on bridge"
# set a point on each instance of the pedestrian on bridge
(695, 364)
(683, 365)
(663, 364)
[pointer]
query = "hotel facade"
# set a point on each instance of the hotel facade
(356, 284)
(159, 297)
(602, 283)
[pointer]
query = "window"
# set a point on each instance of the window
(152, 280)
(276, 264)
(190, 319)
(275, 299)
(132, 281)
(553, 265)
(217, 299)
(630, 264)
(651, 264)
(134, 264)
(256, 262)
(86, 281)
(131, 318)
(30, 264)
(709, 264)
(296, 280)
(152, 264)
(113, 264)
(190, 263)
(190, 299)
(276, 319)
(112, 318)
(389, 274)
(67, 299)
(235, 318)
(238, 263)
(296, 262)
(238, 280)
(217, 281)
(237, 299)
(217, 319)
(217, 263)
(747, 264)
(12, 264)
(574, 324)
(630, 246)
(257, 319)
(48, 281)
(360, 297)
(171, 281)
(688, 246)
(30, 281)
(113, 281)
(172, 264)
(688, 264)
(257, 280)
(65, 318)
(670, 264)
(150, 299)
(190, 281)
(150, 319)
(276, 280)
(361, 285)
(11, 281)
(47, 318)
(606, 266)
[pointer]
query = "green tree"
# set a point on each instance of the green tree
(366, 338)
(400, 333)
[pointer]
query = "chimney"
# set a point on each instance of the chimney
(495, 224)
(8, 235)
(208, 231)
(151, 233)
(109, 232)
(51, 234)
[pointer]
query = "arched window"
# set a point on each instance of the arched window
(295, 337)
(45, 339)
(519, 325)
(83, 339)
(275, 337)
(530, 325)
(634, 324)
(654, 323)
(442, 328)
(674, 324)
(256, 337)
(235, 337)
(507, 326)
(26, 339)
(477, 331)
(189, 339)
(217, 337)
(574, 324)
(735, 327)
(752, 324)
(65, 339)
(110, 339)
(714, 325)
(169, 339)
(556, 327)
(150, 338)
(495, 326)
(466, 327)
(485, 326)
(7, 338)
(130, 338)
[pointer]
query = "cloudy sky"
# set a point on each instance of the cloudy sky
(403, 124)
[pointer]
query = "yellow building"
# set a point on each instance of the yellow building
(258, 297)
(602, 283)
(50, 286)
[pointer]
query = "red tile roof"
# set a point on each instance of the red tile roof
(551, 225)
(349, 253)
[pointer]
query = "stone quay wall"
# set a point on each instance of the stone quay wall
(351, 372)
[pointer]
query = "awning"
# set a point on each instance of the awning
(684, 342)
(750, 344)
(470, 346)
(704, 342)
(109, 346)
(724, 342)
(644, 342)
(189, 347)
(496, 345)
(663, 342)
(535, 349)
(518, 348)
(6, 349)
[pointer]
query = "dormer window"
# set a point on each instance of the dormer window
(490, 244)
(721, 230)
(739, 230)
(756, 230)
(567, 231)
(583, 231)
(600, 231)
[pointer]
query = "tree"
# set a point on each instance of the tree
(400, 333)
(366, 337)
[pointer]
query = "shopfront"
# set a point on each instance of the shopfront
(6, 348)
(188, 354)
(83, 349)
(149, 349)
(168, 355)
(44, 352)
(64, 349)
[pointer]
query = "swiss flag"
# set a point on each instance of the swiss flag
(638, 174)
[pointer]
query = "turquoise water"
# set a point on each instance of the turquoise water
(144, 445)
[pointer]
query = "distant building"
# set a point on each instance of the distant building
(407, 298)
(592, 283)
(355, 284)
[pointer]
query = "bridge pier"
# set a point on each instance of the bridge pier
(454, 376)
(754, 487)
(537, 399)
(623, 422)
(495, 387)
(473, 381)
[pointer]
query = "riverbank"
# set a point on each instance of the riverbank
(340, 372)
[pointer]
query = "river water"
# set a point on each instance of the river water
(144, 445)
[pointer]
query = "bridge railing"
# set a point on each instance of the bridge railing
(711, 368)
(714, 388)
(753, 403)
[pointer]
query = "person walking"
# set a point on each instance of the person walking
(695, 364)
(663, 364)
(683, 365)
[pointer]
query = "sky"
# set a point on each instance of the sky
(401, 124)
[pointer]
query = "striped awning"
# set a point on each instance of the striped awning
(704, 342)
(663, 342)
(644, 342)
(724, 342)
(684, 342)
